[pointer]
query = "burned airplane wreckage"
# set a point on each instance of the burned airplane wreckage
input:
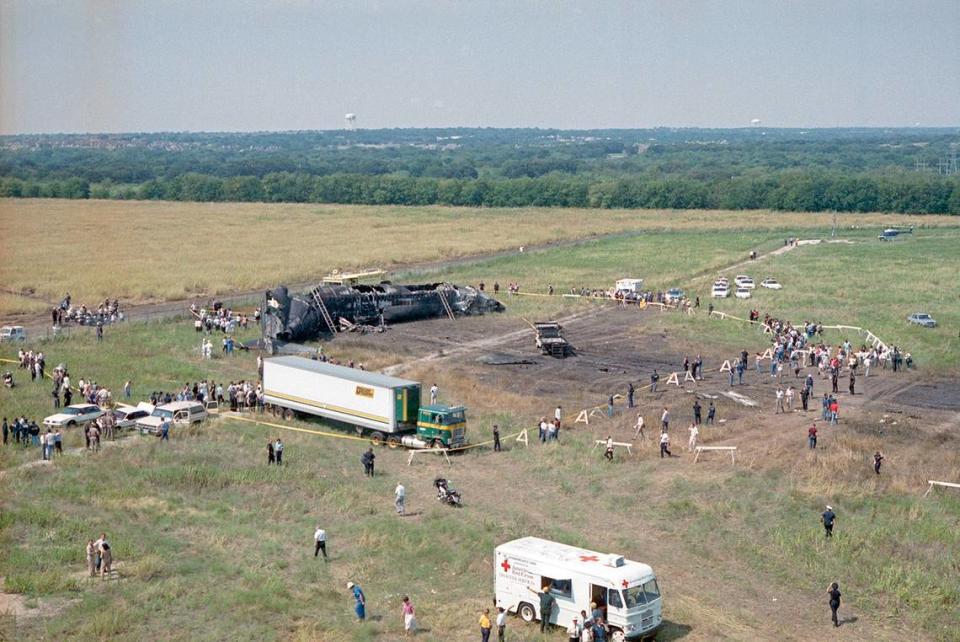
(326, 308)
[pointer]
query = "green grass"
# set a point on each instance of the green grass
(867, 283)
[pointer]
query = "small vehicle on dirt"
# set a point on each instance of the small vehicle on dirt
(550, 339)
(12, 333)
(720, 291)
(445, 493)
(73, 415)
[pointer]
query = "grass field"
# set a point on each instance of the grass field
(214, 545)
(865, 283)
(202, 528)
(151, 251)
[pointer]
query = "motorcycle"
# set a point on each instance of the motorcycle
(445, 493)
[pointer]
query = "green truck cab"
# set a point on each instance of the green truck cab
(442, 426)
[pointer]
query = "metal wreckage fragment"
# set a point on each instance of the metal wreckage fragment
(328, 308)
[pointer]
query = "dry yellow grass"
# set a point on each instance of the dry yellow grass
(151, 251)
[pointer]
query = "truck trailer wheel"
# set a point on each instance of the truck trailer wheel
(393, 441)
(377, 438)
(289, 414)
(527, 612)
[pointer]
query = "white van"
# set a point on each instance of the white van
(626, 591)
(629, 286)
(178, 412)
(12, 333)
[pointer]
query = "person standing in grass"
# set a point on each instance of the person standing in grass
(501, 624)
(367, 460)
(360, 605)
(779, 401)
(271, 458)
(6, 431)
(828, 518)
(106, 556)
(91, 558)
(496, 438)
(127, 389)
(485, 625)
(278, 451)
(812, 436)
(639, 425)
(409, 617)
(399, 498)
(834, 592)
(665, 445)
(877, 458)
(694, 437)
(711, 414)
(320, 538)
(665, 420)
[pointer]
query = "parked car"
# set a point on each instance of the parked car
(923, 319)
(178, 412)
(673, 295)
(744, 281)
(127, 416)
(11, 333)
(770, 283)
(720, 291)
(73, 415)
(742, 293)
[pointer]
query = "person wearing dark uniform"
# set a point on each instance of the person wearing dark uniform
(711, 413)
(367, 460)
(496, 438)
(853, 381)
(828, 517)
(877, 458)
(834, 593)
(696, 412)
(546, 606)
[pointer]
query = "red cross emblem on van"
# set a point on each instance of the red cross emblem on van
(589, 558)
(506, 566)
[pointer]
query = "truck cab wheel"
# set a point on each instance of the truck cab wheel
(616, 635)
(527, 612)
(377, 438)
(393, 441)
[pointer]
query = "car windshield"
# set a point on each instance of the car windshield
(642, 594)
(923, 316)
(74, 411)
(160, 412)
(119, 414)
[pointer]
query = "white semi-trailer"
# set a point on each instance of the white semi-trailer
(384, 406)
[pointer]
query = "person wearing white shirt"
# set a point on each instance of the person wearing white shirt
(665, 445)
(400, 496)
(694, 437)
(501, 624)
(320, 537)
(639, 432)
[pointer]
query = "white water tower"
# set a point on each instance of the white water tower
(351, 120)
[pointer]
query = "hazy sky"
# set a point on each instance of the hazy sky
(131, 65)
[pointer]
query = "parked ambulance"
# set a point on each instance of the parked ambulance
(626, 591)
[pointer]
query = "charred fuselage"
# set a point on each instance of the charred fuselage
(300, 317)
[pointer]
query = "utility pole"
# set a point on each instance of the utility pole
(834, 232)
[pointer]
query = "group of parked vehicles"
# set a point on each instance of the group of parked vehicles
(743, 286)
(145, 417)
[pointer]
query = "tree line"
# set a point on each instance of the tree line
(812, 191)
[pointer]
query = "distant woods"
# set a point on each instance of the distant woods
(811, 170)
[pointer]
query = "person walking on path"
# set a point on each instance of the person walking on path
(409, 617)
(665, 445)
(165, 431)
(360, 605)
(877, 458)
(639, 431)
(654, 378)
(501, 624)
(812, 436)
(320, 537)
(278, 451)
(270, 456)
(630, 392)
(665, 420)
(694, 437)
(834, 411)
(779, 401)
(853, 381)
(496, 438)
(91, 558)
(828, 518)
(834, 592)
(485, 625)
(400, 498)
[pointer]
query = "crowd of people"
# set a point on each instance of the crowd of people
(106, 312)
(240, 395)
(216, 317)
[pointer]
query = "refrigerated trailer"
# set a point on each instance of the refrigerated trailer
(379, 405)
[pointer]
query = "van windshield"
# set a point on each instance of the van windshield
(642, 593)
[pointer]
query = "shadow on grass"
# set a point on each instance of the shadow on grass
(673, 631)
